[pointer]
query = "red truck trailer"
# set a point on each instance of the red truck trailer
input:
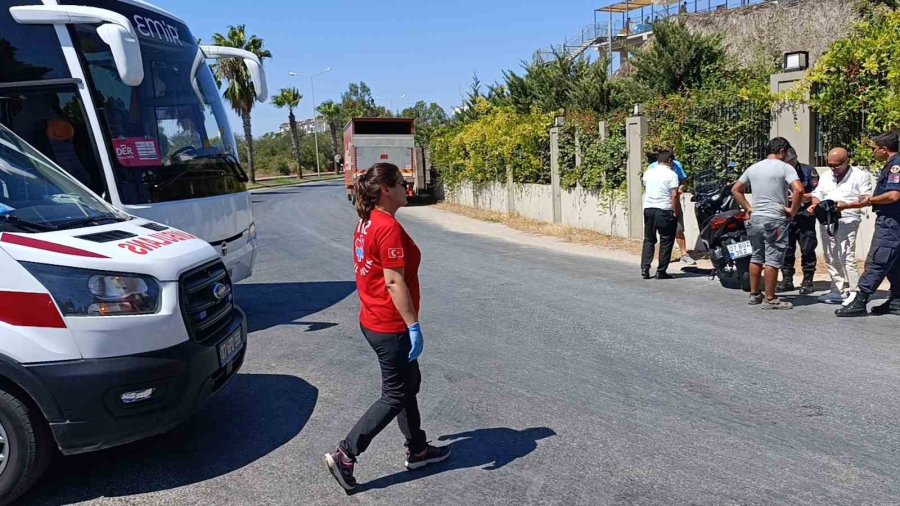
(368, 141)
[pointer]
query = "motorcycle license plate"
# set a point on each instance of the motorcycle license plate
(740, 250)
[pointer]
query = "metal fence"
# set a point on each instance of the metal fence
(830, 133)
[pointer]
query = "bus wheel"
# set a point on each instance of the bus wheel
(25, 447)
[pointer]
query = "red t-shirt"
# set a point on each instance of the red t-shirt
(378, 244)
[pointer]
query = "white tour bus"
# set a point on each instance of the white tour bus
(112, 328)
(118, 93)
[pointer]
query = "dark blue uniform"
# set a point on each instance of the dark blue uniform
(802, 230)
(884, 255)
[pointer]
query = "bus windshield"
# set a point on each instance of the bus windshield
(36, 196)
(169, 137)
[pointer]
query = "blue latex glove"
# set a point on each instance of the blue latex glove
(416, 340)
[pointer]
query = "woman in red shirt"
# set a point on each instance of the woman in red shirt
(387, 279)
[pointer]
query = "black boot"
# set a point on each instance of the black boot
(855, 308)
(787, 282)
(806, 286)
(890, 306)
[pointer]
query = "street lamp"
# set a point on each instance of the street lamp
(312, 88)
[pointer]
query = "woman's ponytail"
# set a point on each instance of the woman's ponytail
(369, 184)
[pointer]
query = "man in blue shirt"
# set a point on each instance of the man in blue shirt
(802, 231)
(884, 254)
(678, 167)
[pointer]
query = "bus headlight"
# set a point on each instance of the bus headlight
(251, 232)
(84, 292)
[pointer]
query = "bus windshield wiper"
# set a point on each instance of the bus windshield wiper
(27, 225)
(230, 160)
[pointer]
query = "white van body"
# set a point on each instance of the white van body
(112, 327)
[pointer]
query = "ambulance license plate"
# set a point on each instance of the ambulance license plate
(740, 250)
(230, 347)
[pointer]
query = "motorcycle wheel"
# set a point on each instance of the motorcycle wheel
(743, 268)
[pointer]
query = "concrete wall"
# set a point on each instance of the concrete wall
(587, 209)
(764, 32)
(590, 210)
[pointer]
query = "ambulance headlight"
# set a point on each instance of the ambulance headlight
(84, 292)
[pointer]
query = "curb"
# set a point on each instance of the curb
(297, 183)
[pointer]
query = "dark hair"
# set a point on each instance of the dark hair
(665, 156)
(369, 185)
(888, 140)
(777, 145)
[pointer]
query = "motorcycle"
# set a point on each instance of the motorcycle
(723, 232)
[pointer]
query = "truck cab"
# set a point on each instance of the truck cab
(112, 328)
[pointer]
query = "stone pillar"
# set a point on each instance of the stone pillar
(635, 134)
(798, 125)
(603, 131)
(555, 182)
(510, 191)
(577, 149)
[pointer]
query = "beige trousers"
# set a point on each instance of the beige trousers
(840, 255)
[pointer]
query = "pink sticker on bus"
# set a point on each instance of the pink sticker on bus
(137, 152)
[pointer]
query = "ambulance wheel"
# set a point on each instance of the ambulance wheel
(25, 447)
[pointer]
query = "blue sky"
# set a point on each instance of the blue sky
(422, 49)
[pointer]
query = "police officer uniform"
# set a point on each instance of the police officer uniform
(884, 256)
(802, 230)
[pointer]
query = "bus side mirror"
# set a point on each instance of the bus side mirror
(254, 66)
(115, 30)
(126, 52)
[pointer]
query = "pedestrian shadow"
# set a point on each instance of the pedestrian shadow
(270, 304)
(252, 417)
(696, 272)
(489, 449)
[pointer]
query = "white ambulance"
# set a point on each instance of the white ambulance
(112, 328)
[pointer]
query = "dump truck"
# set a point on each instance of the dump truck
(368, 141)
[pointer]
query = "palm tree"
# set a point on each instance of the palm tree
(290, 98)
(332, 113)
(240, 93)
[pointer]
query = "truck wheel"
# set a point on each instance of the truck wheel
(25, 447)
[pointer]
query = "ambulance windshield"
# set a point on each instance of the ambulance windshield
(37, 196)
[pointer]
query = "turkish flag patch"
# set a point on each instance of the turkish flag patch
(395, 253)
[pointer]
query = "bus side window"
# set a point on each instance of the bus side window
(54, 123)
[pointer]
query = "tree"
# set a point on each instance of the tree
(290, 98)
(333, 114)
(239, 91)
(428, 118)
(357, 101)
(591, 90)
(678, 59)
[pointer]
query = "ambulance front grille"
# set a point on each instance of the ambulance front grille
(207, 301)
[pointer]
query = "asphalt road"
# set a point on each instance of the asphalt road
(559, 379)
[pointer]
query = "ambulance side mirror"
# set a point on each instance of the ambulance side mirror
(115, 30)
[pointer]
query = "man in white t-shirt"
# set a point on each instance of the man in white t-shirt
(850, 185)
(661, 209)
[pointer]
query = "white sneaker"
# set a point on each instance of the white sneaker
(832, 298)
(688, 260)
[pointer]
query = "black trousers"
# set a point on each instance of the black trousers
(663, 223)
(400, 380)
(802, 230)
(884, 257)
